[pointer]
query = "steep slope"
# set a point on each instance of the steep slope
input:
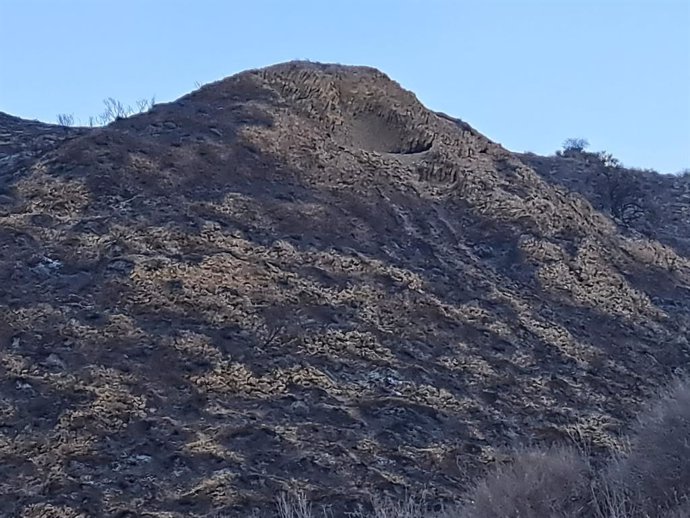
(299, 277)
(652, 204)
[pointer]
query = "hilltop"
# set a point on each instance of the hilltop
(300, 277)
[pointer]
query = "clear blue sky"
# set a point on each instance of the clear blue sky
(527, 73)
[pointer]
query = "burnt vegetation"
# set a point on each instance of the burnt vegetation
(299, 281)
(648, 478)
(620, 191)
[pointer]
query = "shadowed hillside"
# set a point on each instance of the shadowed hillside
(639, 201)
(300, 278)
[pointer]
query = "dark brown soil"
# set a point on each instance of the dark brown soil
(301, 278)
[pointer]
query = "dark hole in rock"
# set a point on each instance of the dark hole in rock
(375, 132)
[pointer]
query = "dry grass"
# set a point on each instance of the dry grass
(652, 480)
(229, 295)
(296, 505)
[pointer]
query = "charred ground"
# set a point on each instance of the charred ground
(300, 277)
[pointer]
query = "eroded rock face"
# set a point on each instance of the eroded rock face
(300, 273)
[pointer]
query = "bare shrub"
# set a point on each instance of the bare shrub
(680, 512)
(552, 483)
(294, 505)
(610, 500)
(65, 119)
(622, 194)
(115, 110)
(144, 105)
(655, 474)
(607, 159)
(408, 507)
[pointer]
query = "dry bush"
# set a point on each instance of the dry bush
(409, 507)
(655, 474)
(294, 505)
(651, 481)
(65, 119)
(115, 110)
(552, 483)
(682, 511)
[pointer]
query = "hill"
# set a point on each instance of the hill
(300, 277)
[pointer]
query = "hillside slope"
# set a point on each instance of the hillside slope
(300, 277)
(643, 201)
